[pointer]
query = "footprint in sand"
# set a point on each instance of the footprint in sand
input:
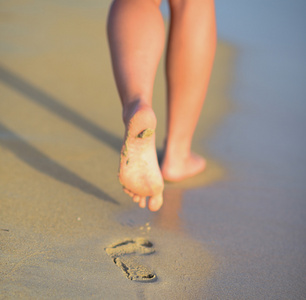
(121, 254)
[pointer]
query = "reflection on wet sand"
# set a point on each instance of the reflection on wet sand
(168, 217)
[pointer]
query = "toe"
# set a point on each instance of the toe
(142, 202)
(128, 192)
(136, 198)
(155, 202)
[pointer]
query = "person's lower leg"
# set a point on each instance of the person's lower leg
(136, 40)
(190, 54)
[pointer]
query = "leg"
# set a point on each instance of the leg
(190, 55)
(136, 40)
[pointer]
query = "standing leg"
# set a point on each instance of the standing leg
(190, 55)
(136, 38)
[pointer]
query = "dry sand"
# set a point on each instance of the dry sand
(61, 131)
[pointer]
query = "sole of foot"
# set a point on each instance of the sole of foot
(139, 172)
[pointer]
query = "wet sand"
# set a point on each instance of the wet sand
(233, 232)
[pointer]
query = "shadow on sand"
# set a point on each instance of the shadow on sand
(41, 162)
(54, 105)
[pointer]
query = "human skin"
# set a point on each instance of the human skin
(136, 38)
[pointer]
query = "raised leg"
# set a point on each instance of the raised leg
(136, 38)
(190, 55)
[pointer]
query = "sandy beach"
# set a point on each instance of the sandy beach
(236, 231)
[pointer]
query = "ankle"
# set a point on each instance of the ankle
(177, 151)
(131, 108)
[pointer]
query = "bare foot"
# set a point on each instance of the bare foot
(139, 172)
(176, 168)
